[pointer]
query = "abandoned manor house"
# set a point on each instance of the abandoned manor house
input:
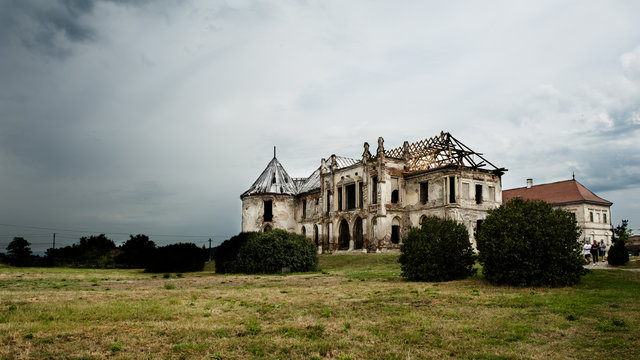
(371, 203)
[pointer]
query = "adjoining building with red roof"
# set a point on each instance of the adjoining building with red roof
(592, 212)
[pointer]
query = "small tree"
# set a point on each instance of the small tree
(437, 251)
(19, 251)
(528, 243)
(618, 252)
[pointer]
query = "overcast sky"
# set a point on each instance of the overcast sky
(126, 117)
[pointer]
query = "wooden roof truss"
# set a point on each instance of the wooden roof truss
(440, 151)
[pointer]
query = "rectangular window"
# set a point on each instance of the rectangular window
(604, 218)
(465, 191)
(591, 216)
(478, 193)
(424, 192)
(492, 193)
(340, 198)
(328, 201)
(452, 189)
(374, 190)
(351, 196)
(304, 209)
(360, 195)
(268, 210)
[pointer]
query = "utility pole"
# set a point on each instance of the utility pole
(209, 249)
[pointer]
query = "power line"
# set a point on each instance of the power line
(114, 233)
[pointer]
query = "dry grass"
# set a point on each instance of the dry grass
(356, 308)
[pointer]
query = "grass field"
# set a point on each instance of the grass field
(357, 307)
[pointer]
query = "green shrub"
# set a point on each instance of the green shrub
(528, 243)
(618, 252)
(438, 251)
(267, 252)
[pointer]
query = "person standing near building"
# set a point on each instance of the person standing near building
(603, 250)
(595, 251)
(586, 251)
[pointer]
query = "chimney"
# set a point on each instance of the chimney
(529, 183)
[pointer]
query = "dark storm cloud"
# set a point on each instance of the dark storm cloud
(50, 27)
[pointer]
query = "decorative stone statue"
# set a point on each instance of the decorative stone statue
(366, 155)
(380, 146)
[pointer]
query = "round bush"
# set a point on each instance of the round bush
(528, 243)
(437, 251)
(267, 252)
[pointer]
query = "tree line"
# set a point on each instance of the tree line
(98, 251)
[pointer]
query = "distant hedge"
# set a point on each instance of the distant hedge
(267, 252)
(177, 258)
(437, 251)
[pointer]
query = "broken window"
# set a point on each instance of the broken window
(478, 193)
(374, 190)
(340, 198)
(268, 210)
(304, 209)
(452, 189)
(424, 192)
(395, 197)
(360, 195)
(351, 196)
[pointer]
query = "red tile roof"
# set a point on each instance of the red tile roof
(561, 192)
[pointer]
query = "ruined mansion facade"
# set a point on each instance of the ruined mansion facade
(371, 203)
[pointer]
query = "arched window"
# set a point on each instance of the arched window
(357, 234)
(343, 236)
(304, 231)
(267, 228)
(395, 231)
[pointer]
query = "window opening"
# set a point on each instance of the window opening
(478, 193)
(604, 218)
(304, 231)
(304, 209)
(394, 197)
(328, 201)
(452, 189)
(268, 210)
(591, 216)
(340, 189)
(374, 190)
(358, 237)
(424, 192)
(395, 234)
(343, 237)
(360, 195)
(351, 196)
(273, 179)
